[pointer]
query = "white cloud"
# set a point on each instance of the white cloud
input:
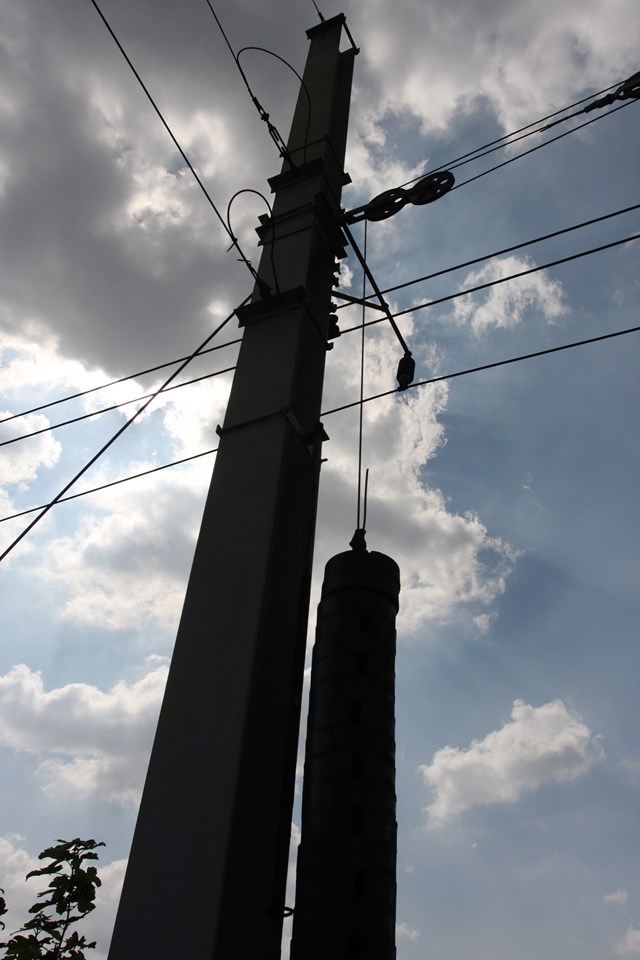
(539, 745)
(629, 946)
(20, 461)
(405, 932)
(506, 305)
(88, 743)
(15, 864)
(619, 896)
(448, 561)
(523, 59)
(127, 569)
(483, 622)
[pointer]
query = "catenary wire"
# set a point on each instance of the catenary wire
(517, 246)
(114, 483)
(234, 241)
(273, 130)
(113, 383)
(114, 406)
(273, 237)
(484, 366)
(338, 294)
(360, 418)
(524, 136)
(539, 146)
(340, 306)
(115, 436)
(286, 155)
(347, 406)
(493, 283)
(507, 136)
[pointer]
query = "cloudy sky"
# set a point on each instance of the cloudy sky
(508, 497)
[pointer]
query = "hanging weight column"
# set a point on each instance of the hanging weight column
(346, 881)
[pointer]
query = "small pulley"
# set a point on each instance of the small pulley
(406, 371)
(431, 188)
(385, 204)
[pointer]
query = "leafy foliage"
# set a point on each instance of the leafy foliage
(69, 897)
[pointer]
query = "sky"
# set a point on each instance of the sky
(508, 497)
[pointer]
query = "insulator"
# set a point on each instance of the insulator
(334, 329)
(406, 371)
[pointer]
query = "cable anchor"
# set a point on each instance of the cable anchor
(628, 90)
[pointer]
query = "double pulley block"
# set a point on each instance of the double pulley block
(426, 190)
(385, 205)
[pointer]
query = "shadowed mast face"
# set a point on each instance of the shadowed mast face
(219, 791)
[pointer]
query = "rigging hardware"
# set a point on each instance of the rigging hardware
(426, 190)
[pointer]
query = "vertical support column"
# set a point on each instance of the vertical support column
(207, 871)
(345, 906)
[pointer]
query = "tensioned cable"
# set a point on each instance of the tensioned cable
(484, 366)
(383, 304)
(113, 383)
(516, 246)
(378, 396)
(337, 293)
(361, 326)
(114, 483)
(539, 146)
(286, 155)
(364, 292)
(273, 232)
(273, 130)
(524, 136)
(493, 283)
(114, 406)
(507, 136)
(117, 434)
(234, 241)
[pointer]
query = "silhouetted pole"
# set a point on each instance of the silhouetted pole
(207, 872)
(345, 904)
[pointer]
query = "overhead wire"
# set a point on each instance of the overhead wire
(264, 116)
(287, 156)
(234, 241)
(540, 146)
(360, 422)
(484, 366)
(273, 238)
(114, 406)
(113, 483)
(115, 436)
(493, 283)
(113, 383)
(326, 413)
(511, 249)
(503, 141)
